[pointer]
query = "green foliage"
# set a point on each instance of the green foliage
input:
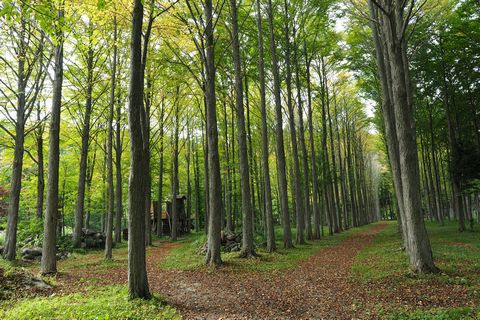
(106, 303)
(30, 232)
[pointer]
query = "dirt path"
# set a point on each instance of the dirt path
(317, 289)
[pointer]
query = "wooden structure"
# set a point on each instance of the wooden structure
(182, 219)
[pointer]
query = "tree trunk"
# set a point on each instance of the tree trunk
(174, 176)
(270, 230)
(80, 205)
(248, 248)
(303, 148)
(215, 184)
(197, 189)
(111, 190)
(282, 174)
(160, 172)
(137, 273)
(119, 177)
(41, 168)
(420, 252)
(297, 175)
(49, 260)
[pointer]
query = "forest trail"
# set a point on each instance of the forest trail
(318, 288)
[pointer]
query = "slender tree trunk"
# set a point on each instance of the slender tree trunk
(282, 174)
(338, 220)
(215, 184)
(303, 148)
(207, 178)
(90, 169)
(189, 184)
(16, 184)
(147, 152)
(435, 168)
(248, 249)
(197, 189)
(41, 168)
(49, 261)
(297, 176)
(341, 176)
(119, 176)
(9, 251)
(137, 273)
(111, 190)
(228, 180)
(174, 176)
(316, 207)
(270, 230)
(80, 204)
(251, 162)
(160, 172)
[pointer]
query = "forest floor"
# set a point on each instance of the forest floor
(358, 275)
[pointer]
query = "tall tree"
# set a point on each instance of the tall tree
(297, 176)
(390, 45)
(49, 259)
(281, 162)
(111, 190)
(29, 74)
(137, 273)
(270, 230)
(215, 206)
(248, 248)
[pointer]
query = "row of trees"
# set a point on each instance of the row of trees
(251, 109)
(175, 80)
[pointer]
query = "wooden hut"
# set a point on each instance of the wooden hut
(182, 220)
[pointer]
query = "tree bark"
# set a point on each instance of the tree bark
(297, 175)
(270, 230)
(160, 172)
(419, 248)
(49, 261)
(174, 176)
(215, 184)
(248, 248)
(41, 167)
(281, 166)
(137, 273)
(111, 190)
(80, 204)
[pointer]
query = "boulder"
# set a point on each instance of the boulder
(35, 251)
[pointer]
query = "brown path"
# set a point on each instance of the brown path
(317, 289)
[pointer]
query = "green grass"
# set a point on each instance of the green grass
(436, 314)
(106, 303)
(456, 254)
(383, 257)
(187, 256)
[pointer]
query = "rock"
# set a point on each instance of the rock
(39, 283)
(88, 232)
(35, 251)
(29, 257)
